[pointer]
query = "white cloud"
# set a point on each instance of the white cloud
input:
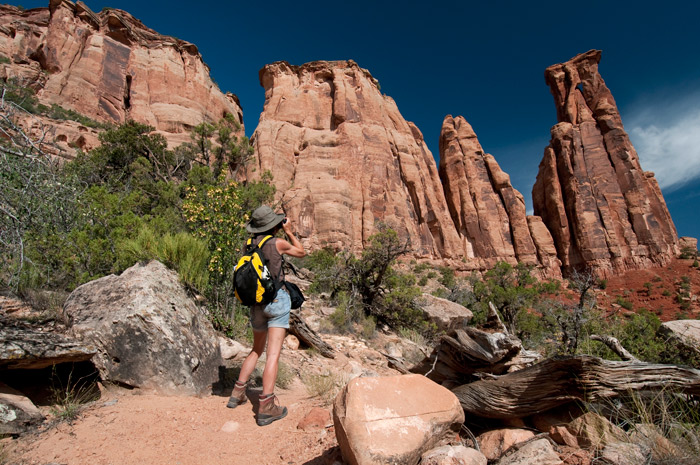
(666, 135)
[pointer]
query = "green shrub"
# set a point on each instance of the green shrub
(180, 252)
(447, 277)
(4, 59)
(423, 281)
(624, 303)
(666, 293)
(421, 267)
(688, 252)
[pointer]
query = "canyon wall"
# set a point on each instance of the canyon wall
(344, 159)
(603, 210)
(110, 67)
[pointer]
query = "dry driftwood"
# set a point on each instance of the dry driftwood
(299, 328)
(467, 351)
(615, 346)
(561, 380)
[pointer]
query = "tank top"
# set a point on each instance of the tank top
(274, 259)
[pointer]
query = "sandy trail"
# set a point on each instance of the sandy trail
(128, 429)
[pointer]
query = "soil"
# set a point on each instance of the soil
(654, 289)
(126, 428)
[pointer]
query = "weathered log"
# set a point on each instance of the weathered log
(467, 351)
(557, 381)
(299, 328)
(615, 346)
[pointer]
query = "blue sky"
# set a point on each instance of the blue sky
(482, 60)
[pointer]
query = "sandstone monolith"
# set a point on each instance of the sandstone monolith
(488, 212)
(603, 211)
(344, 159)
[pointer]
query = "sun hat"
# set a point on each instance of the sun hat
(263, 219)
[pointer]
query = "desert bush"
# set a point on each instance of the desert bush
(369, 286)
(688, 252)
(624, 303)
(325, 386)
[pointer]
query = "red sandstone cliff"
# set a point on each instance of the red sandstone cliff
(109, 67)
(603, 211)
(343, 159)
(488, 212)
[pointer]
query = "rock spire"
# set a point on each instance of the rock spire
(603, 210)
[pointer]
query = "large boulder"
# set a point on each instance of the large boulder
(393, 419)
(685, 332)
(147, 331)
(17, 413)
(444, 313)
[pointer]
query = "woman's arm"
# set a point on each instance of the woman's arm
(292, 248)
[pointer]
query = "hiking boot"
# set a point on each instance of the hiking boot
(238, 396)
(270, 410)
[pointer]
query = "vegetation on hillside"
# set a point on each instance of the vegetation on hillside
(131, 199)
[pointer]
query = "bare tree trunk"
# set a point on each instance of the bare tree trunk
(561, 380)
(299, 328)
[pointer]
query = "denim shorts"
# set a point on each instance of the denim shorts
(273, 315)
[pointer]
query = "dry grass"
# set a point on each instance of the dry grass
(325, 386)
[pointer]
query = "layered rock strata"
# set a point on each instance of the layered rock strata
(110, 67)
(604, 212)
(489, 214)
(344, 159)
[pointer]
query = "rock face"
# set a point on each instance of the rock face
(603, 211)
(393, 419)
(29, 348)
(110, 67)
(343, 158)
(148, 332)
(488, 212)
(17, 413)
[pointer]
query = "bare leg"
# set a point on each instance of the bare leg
(259, 339)
(274, 348)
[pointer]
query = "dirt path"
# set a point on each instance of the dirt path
(127, 429)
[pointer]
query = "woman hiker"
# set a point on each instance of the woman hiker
(270, 323)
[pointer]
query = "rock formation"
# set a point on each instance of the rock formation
(603, 211)
(343, 158)
(488, 212)
(147, 331)
(110, 67)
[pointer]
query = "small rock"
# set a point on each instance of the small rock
(453, 455)
(493, 443)
(317, 418)
(230, 427)
(231, 349)
(291, 342)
